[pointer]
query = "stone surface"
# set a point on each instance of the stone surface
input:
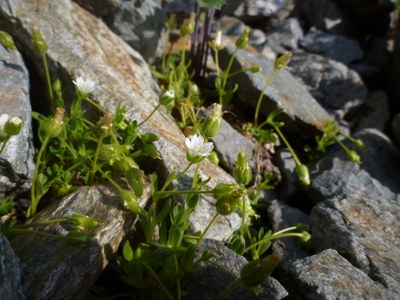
(336, 47)
(99, 8)
(80, 44)
(301, 113)
(212, 280)
(17, 160)
(10, 272)
(53, 269)
(141, 24)
(365, 229)
(334, 85)
(328, 275)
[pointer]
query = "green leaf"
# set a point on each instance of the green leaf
(127, 251)
(211, 3)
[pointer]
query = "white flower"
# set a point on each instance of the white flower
(218, 40)
(85, 86)
(197, 147)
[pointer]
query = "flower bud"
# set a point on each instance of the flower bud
(353, 156)
(135, 181)
(149, 137)
(217, 42)
(7, 41)
(302, 227)
(242, 171)
(56, 124)
(255, 272)
(13, 126)
(358, 143)
(213, 157)
(105, 124)
(282, 61)
(78, 237)
(243, 39)
(81, 222)
(188, 25)
(228, 197)
(224, 207)
(130, 202)
(255, 69)
(167, 97)
(303, 174)
(38, 41)
(3, 120)
(212, 123)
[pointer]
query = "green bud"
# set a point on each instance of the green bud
(78, 237)
(224, 207)
(353, 156)
(217, 42)
(188, 25)
(38, 41)
(256, 272)
(303, 174)
(358, 143)
(167, 97)
(242, 171)
(282, 61)
(213, 157)
(13, 126)
(135, 181)
(105, 124)
(149, 137)
(302, 227)
(81, 222)
(56, 124)
(306, 237)
(228, 191)
(130, 202)
(255, 69)
(243, 39)
(7, 41)
(57, 86)
(213, 121)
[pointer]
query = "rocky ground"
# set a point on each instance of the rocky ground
(345, 67)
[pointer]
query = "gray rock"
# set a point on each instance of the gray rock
(99, 8)
(228, 143)
(10, 272)
(328, 275)
(336, 47)
(363, 228)
(17, 160)
(213, 278)
(53, 269)
(375, 113)
(85, 46)
(334, 85)
(141, 24)
(301, 113)
(179, 6)
(285, 36)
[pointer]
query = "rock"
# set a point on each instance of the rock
(10, 272)
(375, 113)
(310, 280)
(53, 269)
(179, 6)
(336, 47)
(364, 228)
(228, 143)
(99, 8)
(301, 113)
(334, 85)
(285, 36)
(80, 44)
(393, 86)
(141, 24)
(17, 160)
(212, 279)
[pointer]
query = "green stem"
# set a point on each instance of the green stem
(34, 200)
(285, 230)
(184, 192)
(178, 281)
(225, 78)
(158, 280)
(295, 157)
(4, 145)
(41, 223)
(273, 237)
(41, 233)
(342, 144)
(96, 157)
(48, 79)
(95, 104)
(243, 216)
(229, 289)
(149, 116)
(205, 231)
(260, 98)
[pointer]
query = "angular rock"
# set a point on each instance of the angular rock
(53, 269)
(212, 280)
(141, 24)
(301, 113)
(328, 275)
(10, 272)
(80, 44)
(336, 47)
(363, 228)
(334, 85)
(17, 160)
(99, 8)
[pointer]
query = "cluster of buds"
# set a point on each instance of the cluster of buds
(228, 197)
(9, 126)
(212, 123)
(82, 222)
(242, 171)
